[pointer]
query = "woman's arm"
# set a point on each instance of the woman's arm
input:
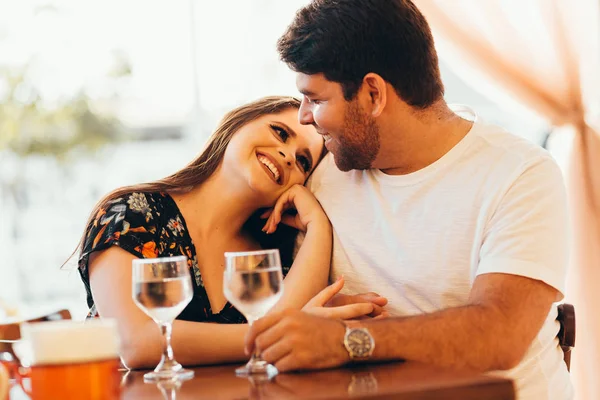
(310, 271)
(141, 340)
(305, 286)
(208, 343)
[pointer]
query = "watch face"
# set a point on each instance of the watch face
(359, 343)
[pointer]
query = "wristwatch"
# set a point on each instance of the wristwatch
(359, 343)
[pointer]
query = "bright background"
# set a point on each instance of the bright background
(95, 95)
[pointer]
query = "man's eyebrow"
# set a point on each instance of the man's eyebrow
(307, 92)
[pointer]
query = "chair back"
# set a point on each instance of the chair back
(10, 332)
(566, 334)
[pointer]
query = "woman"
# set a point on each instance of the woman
(258, 156)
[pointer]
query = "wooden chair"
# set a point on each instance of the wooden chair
(10, 332)
(566, 335)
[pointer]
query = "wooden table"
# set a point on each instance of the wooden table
(378, 381)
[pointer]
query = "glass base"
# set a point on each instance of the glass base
(168, 375)
(259, 370)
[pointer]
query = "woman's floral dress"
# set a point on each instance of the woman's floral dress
(149, 225)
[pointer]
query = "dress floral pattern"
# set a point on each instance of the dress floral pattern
(150, 225)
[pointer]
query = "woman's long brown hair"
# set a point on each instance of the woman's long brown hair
(203, 166)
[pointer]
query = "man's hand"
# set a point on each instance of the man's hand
(329, 303)
(294, 340)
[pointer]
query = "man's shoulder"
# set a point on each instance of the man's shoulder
(507, 151)
(515, 165)
(493, 138)
(324, 170)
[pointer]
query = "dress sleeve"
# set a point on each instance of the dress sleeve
(130, 222)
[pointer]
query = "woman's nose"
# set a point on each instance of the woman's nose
(286, 159)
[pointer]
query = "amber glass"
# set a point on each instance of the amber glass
(97, 380)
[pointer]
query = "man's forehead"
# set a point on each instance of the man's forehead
(308, 84)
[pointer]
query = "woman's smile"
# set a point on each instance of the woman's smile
(271, 167)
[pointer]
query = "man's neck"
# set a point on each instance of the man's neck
(414, 139)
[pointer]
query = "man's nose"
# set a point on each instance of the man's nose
(305, 116)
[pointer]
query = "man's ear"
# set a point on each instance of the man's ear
(376, 89)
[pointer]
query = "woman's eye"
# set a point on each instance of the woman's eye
(282, 133)
(304, 163)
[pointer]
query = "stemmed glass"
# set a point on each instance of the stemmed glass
(253, 283)
(162, 287)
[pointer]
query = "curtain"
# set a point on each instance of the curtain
(543, 56)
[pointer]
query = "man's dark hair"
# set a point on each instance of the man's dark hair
(347, 39)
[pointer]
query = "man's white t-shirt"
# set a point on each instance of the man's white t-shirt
(495, 203)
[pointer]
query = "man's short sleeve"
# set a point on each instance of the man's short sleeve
(527, 234)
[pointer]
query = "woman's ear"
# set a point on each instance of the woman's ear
(376, 89)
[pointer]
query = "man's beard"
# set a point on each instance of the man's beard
(360, 143)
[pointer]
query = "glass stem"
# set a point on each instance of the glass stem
(167, 358)
(256, 354)
(255, 357)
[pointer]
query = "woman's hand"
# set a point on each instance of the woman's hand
(329, 303)
(302, 200)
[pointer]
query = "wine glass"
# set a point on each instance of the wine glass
(162, 287)
(253, 283)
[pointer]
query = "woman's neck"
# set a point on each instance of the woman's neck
(215, 209)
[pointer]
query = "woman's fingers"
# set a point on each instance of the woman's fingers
(349, 307)
(290, 220)
(377, 310)
(374, 298)
(383, 315)
(326, 294)
(285, 201)
(371, 297)
(266, 214)
(350, 311)
(380, 301)
(300, 199)
(275, 214)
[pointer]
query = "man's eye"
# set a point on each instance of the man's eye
(282, 133)
(304, 163)
(311, 101)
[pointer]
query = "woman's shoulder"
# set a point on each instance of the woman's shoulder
(138, 205)
(138, 208)
(144, 202)
(130, 217)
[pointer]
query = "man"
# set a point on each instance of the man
(459, 224)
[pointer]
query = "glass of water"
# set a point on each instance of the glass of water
(253, 283)
(162, 288)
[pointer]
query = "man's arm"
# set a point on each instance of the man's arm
(492, 332)
(524, 242)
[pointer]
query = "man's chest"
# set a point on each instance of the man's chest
(421, 253)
